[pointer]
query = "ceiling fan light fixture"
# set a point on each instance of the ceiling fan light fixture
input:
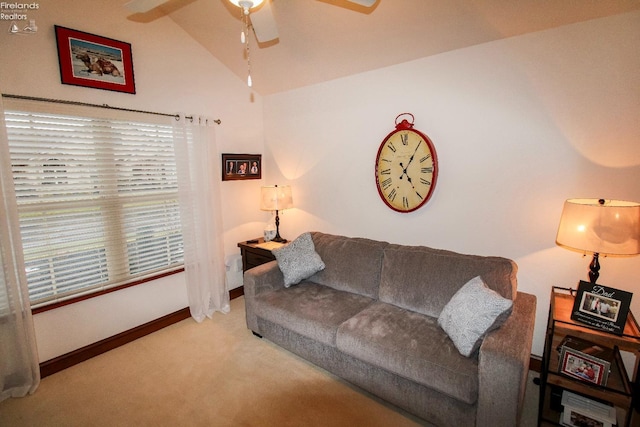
(245, 5)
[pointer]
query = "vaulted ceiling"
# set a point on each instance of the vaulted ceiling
(321, 40)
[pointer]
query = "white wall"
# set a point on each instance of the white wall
(519, 126)
(173, 74)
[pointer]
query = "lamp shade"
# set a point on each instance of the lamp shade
(276, 198)
(607, 227)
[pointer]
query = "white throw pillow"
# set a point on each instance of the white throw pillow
(298, 260)
(472, 312)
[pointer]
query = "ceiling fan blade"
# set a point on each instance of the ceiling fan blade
(365, 3)
(264, 24)
(142, 6)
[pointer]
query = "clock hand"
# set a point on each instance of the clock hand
(404, 168)
(410, 182)
(414, 153)
(404, 172)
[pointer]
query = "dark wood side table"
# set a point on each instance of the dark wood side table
(253, 255)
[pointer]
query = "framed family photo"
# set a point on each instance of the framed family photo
(583, 367)
(94, 61)
(601, 307)
(585, 360)
(241, 166)
(580, 411)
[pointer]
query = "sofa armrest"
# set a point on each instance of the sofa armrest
(265, 277)
(503, 365)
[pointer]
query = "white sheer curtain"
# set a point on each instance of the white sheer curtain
(19, 369)
(199, 188)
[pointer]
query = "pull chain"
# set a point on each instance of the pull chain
(244, 39)
(249, 82)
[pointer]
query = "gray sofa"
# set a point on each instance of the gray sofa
(371, 316)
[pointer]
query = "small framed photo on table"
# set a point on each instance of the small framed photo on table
(582, 366)
(94, 61)
(601, 307)
(580, 411)
(241, 166)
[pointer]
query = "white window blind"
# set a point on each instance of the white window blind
(97, 197)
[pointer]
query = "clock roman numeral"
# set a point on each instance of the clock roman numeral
(405, 139)
(427, 170)
(386, 183)
(405, 202)
(419, 195)
(391, 146)
(424, 181)
(392, 195)
(385, 172)
(425, 158)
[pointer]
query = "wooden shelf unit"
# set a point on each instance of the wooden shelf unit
(618, 390)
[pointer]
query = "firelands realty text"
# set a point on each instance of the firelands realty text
(14, 11)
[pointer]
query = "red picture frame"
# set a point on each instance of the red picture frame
(583, 367)
(94, 61)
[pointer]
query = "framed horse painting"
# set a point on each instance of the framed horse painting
(94, 61)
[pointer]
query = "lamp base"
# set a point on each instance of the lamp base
(594, 268)
(278, 238)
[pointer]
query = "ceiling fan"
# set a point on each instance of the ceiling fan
(255, 14)
(258, 11)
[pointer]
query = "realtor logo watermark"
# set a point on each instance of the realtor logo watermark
(13, 11)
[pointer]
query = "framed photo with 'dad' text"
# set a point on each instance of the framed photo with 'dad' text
(601, 307)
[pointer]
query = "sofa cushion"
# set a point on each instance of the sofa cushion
(352, 264)
(424, 279)
(411, 345)
(298, 260)
(310, 309)
(474, 311)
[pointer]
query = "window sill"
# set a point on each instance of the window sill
(69, 301)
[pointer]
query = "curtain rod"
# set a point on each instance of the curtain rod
(86, 104)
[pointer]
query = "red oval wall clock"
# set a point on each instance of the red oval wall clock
(406, 167)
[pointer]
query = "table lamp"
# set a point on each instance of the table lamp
(600, 227)
(276, 198)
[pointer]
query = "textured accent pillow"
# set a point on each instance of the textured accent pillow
(298, 260)
(472, 313)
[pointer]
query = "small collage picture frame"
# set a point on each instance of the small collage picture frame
(241, 166)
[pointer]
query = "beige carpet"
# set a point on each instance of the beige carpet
(211, 374)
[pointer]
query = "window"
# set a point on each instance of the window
(97, 198)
